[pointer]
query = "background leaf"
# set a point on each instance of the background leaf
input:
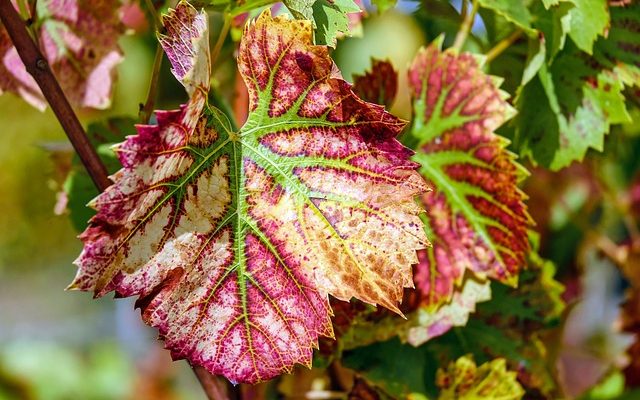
(477, 220)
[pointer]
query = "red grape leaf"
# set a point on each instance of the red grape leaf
(233, 240)
(476, 216)
(186, 43)
(79, 39)
(379, 85)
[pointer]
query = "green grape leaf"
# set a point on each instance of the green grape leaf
(330, 18)
(80, 42)
(400, 370)
(567, 110)
(535, 59)
(463, 380)
(78, 185)
(619, 50)
(589, 19)
(515, 12)
(379, 85)
(554, 23)
(300, 9)
(234, 240)
(476, 217)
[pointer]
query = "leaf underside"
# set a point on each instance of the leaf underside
(233, 240)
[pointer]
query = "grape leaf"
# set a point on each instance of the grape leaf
(575, 100)
(398, 369)
(515, 12)
(619, 50)
(300, 9)
(330, 18)
(186, 44)
(80, 41)
(535, 58)
(379, 85)
(589, 19)
(425, 324)
(554, 22)
(491, 380)
(233, 240)
(476, 216)
(567, 110)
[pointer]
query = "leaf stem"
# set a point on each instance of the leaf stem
(147, 109)
(502, 45)
(38, 67)
(221, 38)
(464, 7)
(157, 21)
(466, 25)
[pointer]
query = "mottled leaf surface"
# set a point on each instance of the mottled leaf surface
(463, 379)
(233, 240)
(476, 217)
(80, 41)
(379, 85)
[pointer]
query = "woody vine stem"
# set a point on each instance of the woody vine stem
(38, 68)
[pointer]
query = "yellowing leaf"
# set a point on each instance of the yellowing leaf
(463, 380)
(233, 240)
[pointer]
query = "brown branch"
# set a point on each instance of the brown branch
(38, 67)
(215, 387)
